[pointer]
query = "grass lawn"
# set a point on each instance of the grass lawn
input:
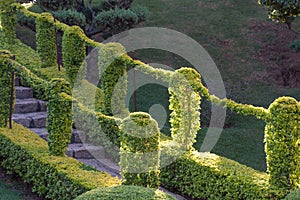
(7, 193)
(223, 28)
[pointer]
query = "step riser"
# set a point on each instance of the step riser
(24, 93)
(29, 106)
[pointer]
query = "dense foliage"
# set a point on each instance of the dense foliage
(8, 18)
(282, 147)
(294, 195)
(45, 39)
(125, 192)
(140, 151)
(6, 68)
(23, 152)
(283, 11)
(106, 17)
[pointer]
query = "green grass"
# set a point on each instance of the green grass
(215, 24)
(6, 193)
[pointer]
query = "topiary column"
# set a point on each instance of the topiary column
(185, 107)
(73, 52)
(282, 143)
(140, 150)
(113, 76)
(6, 69)
(8, 17)
(45, 39)
(59, 118)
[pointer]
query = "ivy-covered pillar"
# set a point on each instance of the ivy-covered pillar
(45, 40)
(185, 107)
(73, 52)
(8, 15)
(140, 150)
(6, 69)
(59, 118)
(282, 143)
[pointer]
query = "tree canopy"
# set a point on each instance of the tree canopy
(284, 11)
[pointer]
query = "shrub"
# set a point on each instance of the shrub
(139, 152)
(8, 20)
(116, 20)
(6, 69)
(45, 39)
(59, 118)
(113, 76)
(125, 192)
(73, 50)
(294, 195)
(282, 135)
(185, 106)
(23, 152)
(295, 45)
(71, 17)
(141, 12)
(209, 176)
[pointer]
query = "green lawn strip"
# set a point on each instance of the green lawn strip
(6, 193)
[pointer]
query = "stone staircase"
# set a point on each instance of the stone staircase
(32, 113)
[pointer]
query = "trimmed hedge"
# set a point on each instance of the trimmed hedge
(23, 152)
(73, 52)
(45, 40)
(113, 76)
(209, 176)
(6, 69)
(282, 143)
(59, 118)
(139, 151)
(125, 192)
(185, 107)
(8, 17)
(294, 195)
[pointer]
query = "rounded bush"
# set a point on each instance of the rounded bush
(125, 192)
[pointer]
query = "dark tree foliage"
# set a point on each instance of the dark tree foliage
(95, 16)
(284, 11)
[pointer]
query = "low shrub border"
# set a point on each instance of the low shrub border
(26, 154)
(125, 192)
(209, 176)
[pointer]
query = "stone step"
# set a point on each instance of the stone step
(29, 106)
(23, 92)
(31, 120)
(85, 151)
(77, 135)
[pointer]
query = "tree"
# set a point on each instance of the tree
(96, 16)
(284, 11)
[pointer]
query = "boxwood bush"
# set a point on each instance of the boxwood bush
(125, 192)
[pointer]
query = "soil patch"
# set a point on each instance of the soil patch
(282, 64)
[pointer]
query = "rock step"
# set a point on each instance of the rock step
(29, 105)
(31, 120)
(23, 92)
(77, 136)
(85, 151)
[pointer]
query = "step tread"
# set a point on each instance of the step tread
(30, 115)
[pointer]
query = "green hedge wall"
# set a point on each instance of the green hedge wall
(140, 151)
(282, 143)
(23, 152)
(8, 17)
(6, 69)
(125, 192)
(59, 118)
(209, 176)
(73, 51)
(45, 40)
(100, 129)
